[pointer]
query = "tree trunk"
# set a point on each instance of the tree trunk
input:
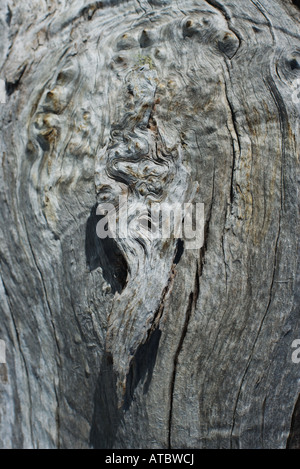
(139, 341)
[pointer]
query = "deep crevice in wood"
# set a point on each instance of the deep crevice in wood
(106, 254)
(293, 441)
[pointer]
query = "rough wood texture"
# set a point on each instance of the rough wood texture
(121, 344)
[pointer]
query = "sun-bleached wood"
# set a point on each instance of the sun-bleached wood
(130, 343)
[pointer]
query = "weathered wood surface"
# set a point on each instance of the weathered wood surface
(118, 345)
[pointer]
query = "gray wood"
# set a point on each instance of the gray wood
(118, 344)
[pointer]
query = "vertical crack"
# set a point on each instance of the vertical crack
(57, 417)
(260, 8)
(190, 309)
(236, 135)
(293, 441)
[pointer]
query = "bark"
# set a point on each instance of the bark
(141, 343)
